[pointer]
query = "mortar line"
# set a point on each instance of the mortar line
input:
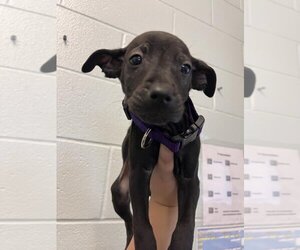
(284, 6)
(234, 5)
(28, 71)
(97, 20)
(173, 21)
(203, 21)
(212, 12)
(90, 142)
(27, 140)
(29, 11)
(29, 221)
(275, 114)
(220, 112)
(89, 221)
(184, 12)
(107, 184)
(88, 75)
(123, 40)
(273, 33)
(270, 70)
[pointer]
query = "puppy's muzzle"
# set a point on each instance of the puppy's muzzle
(160, 96)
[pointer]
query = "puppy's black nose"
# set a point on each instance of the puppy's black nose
(160, 95)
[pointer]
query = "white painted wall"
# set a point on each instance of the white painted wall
(77, 168)
(91, 123)
(272, 42)
(27, 126)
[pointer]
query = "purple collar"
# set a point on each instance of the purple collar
(174, 143)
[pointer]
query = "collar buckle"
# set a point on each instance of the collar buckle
(191, 133)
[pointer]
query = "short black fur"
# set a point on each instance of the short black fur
(156, 91)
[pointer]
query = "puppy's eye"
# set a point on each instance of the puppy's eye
(185, 68)
(135, 60)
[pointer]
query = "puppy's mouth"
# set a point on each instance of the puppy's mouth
(158, 115)
(160, 119)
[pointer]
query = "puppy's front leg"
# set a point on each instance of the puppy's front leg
(143, 234)
(188, 193)
(142, 162)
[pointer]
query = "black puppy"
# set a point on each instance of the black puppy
(157, 72)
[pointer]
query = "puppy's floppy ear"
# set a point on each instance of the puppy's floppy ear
(110, 61)
(203, 77)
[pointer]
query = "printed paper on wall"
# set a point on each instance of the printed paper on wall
(272, 177)
(222, 178)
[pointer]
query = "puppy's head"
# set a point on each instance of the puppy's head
(157, 72)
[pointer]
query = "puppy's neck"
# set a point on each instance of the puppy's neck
(173, 129)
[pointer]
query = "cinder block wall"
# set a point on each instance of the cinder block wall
(88, 119)
(272, 45)
(91, 123)
(27, 126)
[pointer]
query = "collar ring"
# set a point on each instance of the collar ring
(146, 143)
